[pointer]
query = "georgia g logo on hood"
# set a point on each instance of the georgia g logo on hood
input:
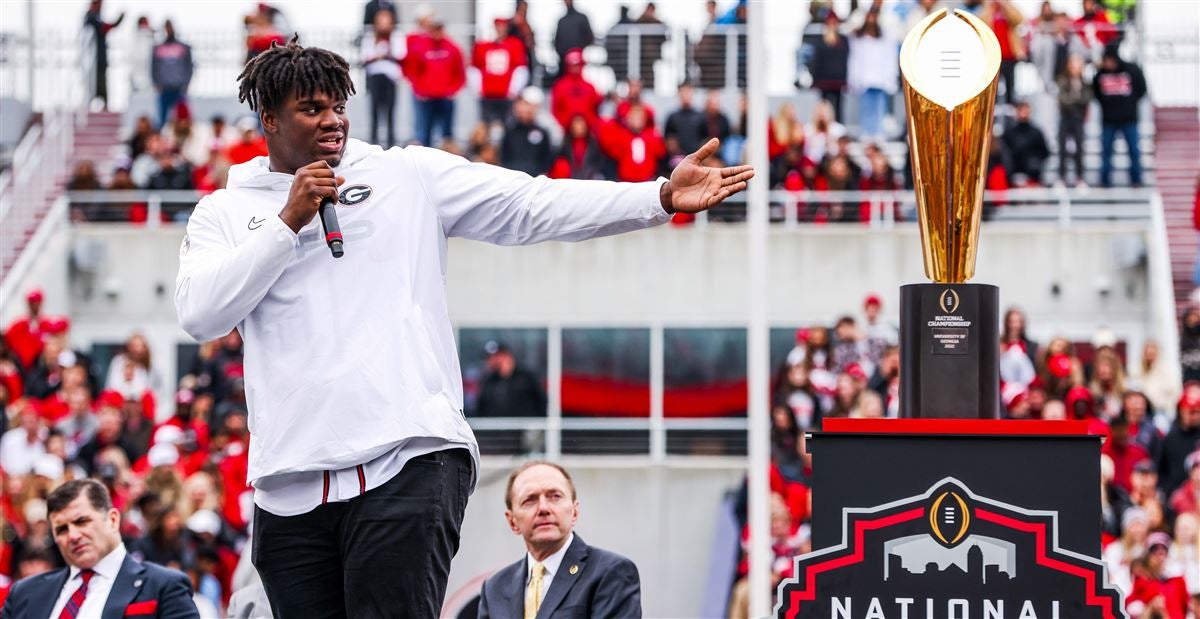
(354, 195)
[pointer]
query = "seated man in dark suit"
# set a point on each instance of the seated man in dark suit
(101, 579)
(560, 576)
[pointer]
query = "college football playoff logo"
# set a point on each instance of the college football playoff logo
(948, 301)
(948, 553)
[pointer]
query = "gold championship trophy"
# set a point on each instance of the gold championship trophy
(948, 334)
(893, 539)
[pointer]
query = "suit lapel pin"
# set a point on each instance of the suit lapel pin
(574, 570)
(137, 583)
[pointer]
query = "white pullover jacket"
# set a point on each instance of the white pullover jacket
(348, 358)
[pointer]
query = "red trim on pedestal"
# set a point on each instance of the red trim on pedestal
(956, 426)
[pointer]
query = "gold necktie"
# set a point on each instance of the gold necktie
(533, 593)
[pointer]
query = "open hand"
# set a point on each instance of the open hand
(694, 187)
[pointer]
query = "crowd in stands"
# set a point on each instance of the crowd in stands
(180, 480)
(570, 129)
(177, 474)
(1150, 462)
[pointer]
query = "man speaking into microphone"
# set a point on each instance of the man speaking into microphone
(360, 457)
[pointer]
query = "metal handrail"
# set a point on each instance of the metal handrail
(606, 423)
(1058, 204)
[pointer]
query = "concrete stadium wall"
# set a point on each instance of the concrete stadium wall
(111, 279)
(126, 276)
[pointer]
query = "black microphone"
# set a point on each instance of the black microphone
(333, 233)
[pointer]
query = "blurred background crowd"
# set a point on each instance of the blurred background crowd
(180, 478)
(556, 121)
(177, 470)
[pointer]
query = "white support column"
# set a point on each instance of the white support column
(554, 391)
(658, 432)
(761, 600)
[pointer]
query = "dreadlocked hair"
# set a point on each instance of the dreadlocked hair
(271, 76)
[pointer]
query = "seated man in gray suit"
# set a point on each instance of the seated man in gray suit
(560, 575)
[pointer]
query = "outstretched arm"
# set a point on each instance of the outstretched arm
(695, 187)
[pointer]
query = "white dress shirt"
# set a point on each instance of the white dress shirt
(551, 565)
(98, 587)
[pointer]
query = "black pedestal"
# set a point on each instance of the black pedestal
(949, 351)
(952, 518)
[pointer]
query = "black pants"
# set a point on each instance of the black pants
(383, 107)
(834, 97)
(1070, 129)
(384, 554)
(1008, 73)
(494, 110)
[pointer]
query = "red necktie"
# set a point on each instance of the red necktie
(71, 610)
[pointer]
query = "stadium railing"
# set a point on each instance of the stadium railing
(877, 209)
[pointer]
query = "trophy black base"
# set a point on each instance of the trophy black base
(949, 351)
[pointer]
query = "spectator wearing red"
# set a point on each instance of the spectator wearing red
(637, 148)
(25, 336)
(1136, 407)
(580, 155)
(787, 540)
(1080, 405)
(998, 166)
(784, 129)
(1186, 498)
(1093, 27)
(499, 72)
(633, 96)
(250, 145)
(1156, 594)
(1005, 19)
(573, 95)
(1124, 453)
(881, 178)
(11, 374)
(261, 34)
(788, 169)
(437, 72)
(233, 465)
(420, 36)
(195, 430)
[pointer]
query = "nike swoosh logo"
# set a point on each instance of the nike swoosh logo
(255, 223)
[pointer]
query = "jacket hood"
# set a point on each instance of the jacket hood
(257, 174)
